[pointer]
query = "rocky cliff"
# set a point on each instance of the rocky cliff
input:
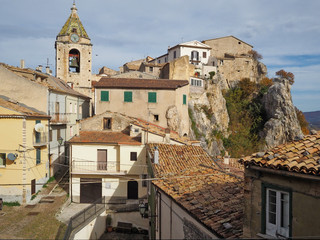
(210, 121)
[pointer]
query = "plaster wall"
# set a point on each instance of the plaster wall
(18, 88)
(305, 203)
(175, 223)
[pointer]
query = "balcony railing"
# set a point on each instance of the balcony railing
(96, 167)
(40, 139)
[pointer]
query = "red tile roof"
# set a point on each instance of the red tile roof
(135, 83)
(302, 156)
(104, 138)
(197, 184)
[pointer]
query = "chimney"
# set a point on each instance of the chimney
(156, 156)
(22, 64)
(167, 136)
(48, 71)
(39, 68)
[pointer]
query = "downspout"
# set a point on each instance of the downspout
(159, 213)
(49, 155)
(24, 166)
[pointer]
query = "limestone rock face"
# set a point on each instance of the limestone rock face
(283, 124)
(173, 119)
(209, 116)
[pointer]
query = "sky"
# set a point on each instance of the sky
(286, 33)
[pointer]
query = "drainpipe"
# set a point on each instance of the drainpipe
(49, 133)
(24, 166)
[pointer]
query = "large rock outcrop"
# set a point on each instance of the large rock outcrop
(283, 124)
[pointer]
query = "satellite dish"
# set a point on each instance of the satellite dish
(39, 127)
(12, 156)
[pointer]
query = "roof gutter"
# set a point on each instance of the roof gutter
(285, 173)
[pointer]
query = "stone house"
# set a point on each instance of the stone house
(192, 196)
(282, 191)
(24, 161)
(160, 101)
(234, 60)
(109, 150)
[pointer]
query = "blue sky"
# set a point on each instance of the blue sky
(286, 33)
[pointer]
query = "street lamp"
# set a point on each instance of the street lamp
(143, 209)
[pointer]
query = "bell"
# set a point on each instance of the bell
(74, 63)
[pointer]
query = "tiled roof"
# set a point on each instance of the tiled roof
(104, 138)
(23, 110)
(156, 129)
(73, 22)
(302, 156)
(135, 83)
(212, 196)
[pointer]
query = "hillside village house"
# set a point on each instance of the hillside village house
(193, 196)
(160, 101)
(54, 98)
(282, 191)
(24, 162)
(109, 150)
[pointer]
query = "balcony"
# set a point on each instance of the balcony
(109, 167)
(59, 118)
(40, 139)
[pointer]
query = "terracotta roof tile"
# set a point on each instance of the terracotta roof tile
(104, 138)
(191, 177)
(139, 83)
(298, 156)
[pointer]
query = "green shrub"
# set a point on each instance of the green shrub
(11, 204)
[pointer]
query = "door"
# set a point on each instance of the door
(90, 190)
(102, 159)
(132, 190)
(33, 186)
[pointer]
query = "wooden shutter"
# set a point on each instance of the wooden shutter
(105, 96)
(128, 96)
(102, 159)
(152, 97)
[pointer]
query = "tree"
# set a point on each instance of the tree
(303, 122)
(247, 86)
(287, 75)
(255, 55)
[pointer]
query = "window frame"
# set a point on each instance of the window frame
(266, 227)
(107, 123)
(4, 159)
(104, 96)
(127, 96)
(133, 156)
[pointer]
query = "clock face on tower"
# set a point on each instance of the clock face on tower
(74, 37)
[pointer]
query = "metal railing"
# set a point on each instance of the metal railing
(91, 167)
(84, 217)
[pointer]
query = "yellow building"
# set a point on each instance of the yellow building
(24, 162)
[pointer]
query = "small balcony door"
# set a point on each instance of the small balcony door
(102, 159)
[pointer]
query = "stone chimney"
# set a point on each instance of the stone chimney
(39, 68)
(48, 70)
(167, 136)
(22, 63)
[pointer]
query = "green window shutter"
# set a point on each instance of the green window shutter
(38, 121)
(152, 97)
(38, 157)
(184, 99)
(104, 96)
(128, 96)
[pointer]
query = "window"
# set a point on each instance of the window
(174, 54)
(102, 159)
(150, 69)
(2, 159)
(107, 123)
(38, 156)
(74, 61)
(104, 96)
(133, 156)
(152, 97)
(204, 55)
(184, 99)
(38, 134)
(277, 212)
(156, 117)
(144, 182)
(128, 96)
(58, 134)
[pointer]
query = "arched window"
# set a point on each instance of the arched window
(74, 61)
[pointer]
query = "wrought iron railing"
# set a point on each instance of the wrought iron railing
(82, 218)
(91, 167)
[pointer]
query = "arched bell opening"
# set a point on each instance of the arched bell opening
(74, 61)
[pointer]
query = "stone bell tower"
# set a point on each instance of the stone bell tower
(74, 54)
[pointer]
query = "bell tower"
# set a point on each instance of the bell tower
(74, 54)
